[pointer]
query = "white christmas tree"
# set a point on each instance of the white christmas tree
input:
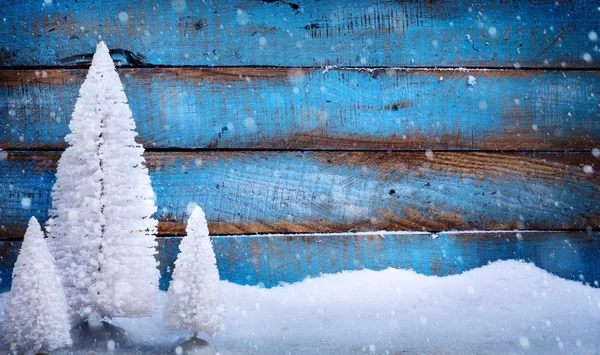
(101, 229)
(36, 312)
(195, 302)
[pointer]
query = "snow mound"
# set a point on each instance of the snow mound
(504, 307)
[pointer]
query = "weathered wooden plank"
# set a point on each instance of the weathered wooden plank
(273, 259)
(307, 192)
(303, 33)
(250, 108)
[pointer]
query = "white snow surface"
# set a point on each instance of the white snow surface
(507, 307)
(36, 314)
(195, 302)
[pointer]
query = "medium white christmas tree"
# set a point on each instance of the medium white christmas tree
(101, 228)
(36, 312)
(195, 302)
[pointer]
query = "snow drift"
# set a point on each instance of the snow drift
(505, 307)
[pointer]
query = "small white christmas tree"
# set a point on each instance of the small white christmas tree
(101, 231)
(195, 302)
(36, 312)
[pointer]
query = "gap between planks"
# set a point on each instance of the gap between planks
(432, 234)
(323, 68)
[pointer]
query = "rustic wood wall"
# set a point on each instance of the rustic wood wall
(305, 117)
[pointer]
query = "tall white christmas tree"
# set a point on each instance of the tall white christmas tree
(195, 302)
(101, 228)
(36, 312)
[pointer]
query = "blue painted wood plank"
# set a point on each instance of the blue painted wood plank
(9, 250)
(304, 32)
(248, 108)
(270, 260)
(269, 192)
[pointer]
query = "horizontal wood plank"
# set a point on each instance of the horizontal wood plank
(270, 260)
(307, 192)
(261, 108)
(304, 33)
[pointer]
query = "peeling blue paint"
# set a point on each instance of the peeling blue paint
(327, 188)
(386, 109)
(269, 261)
(239, 33)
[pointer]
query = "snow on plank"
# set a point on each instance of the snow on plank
(307, 192)
(268, 260)
(278, 108)
(507, 34)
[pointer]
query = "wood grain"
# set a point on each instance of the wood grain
(279, 108)
(269, 260)
(302, 33)
(307, 192)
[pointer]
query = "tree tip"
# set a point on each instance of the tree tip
(197, 212)
(101, 45)
(34, 230)
(33, 221)
(102, 55)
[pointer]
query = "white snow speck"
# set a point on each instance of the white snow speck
(429, 154)
(372, 348)
(26, 202)
(472, 80)
(534, 127)
(48, 2)
(110, 345)
(587, 57)
(262, 41)
(524, 342)
(588, 169)
(178, 5)
(242, 17)
(593, 36)
(250, 124)
(483, 105)
(179, 350)
(596, 153)
(3, 154)
(72, 214)
(423, 320)
(123, 17)
(493, 32)
(517, 65)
